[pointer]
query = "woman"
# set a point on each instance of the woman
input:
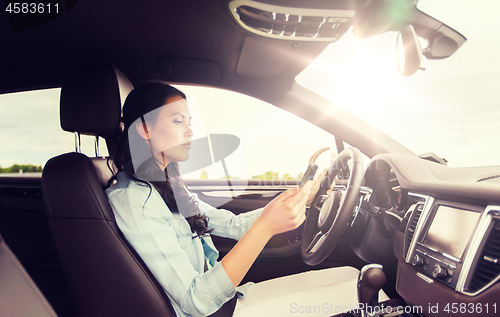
(170, 227)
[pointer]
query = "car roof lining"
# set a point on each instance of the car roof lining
(112, 32)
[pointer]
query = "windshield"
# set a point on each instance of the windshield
(450, 108)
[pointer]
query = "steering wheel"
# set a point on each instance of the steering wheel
(330, 213)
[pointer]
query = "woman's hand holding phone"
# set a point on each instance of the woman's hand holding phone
(314, 186)
(285, 212)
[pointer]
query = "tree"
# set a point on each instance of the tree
(229, 177)
(27, 168)
(267, 175)
(300, 175)
(204, 174)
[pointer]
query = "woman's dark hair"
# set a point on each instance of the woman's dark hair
(140, 103)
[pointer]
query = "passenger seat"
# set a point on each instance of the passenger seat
(19, 296)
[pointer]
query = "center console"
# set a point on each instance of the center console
(444, 236)
(448, 257)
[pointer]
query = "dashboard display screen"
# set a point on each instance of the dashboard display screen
(451, 230)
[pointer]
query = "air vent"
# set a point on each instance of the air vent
(412, 225)
(488, 265)
(291, 23)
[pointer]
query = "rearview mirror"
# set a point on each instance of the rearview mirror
(408, 51)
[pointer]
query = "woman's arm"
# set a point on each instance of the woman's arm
(284, 213)
(228, 225)
(225, 223)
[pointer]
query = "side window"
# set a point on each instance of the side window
(31, 133)
(273, 144)
(249, 138)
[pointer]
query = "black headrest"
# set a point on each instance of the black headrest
(70, 178)
(91, 103)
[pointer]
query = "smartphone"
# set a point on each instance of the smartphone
(308, 175)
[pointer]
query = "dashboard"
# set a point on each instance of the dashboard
(446, 238)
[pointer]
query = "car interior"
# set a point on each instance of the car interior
(408, 233)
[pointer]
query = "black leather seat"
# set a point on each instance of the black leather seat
(19, 296)
(104, 273)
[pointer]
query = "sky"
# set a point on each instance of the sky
(29, 128)
(451, 108)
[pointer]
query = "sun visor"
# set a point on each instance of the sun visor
(182, 69)
(262, 58)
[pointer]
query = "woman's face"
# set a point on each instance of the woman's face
(171, 134)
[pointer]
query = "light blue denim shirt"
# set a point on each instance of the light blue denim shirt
(165, 243)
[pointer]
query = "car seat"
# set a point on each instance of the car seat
(104, 273)
(19, 296)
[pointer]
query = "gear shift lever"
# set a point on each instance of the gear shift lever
(370, 280)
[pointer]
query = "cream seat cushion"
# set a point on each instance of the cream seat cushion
(314, 294)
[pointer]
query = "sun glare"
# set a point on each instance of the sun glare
(360, 75)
